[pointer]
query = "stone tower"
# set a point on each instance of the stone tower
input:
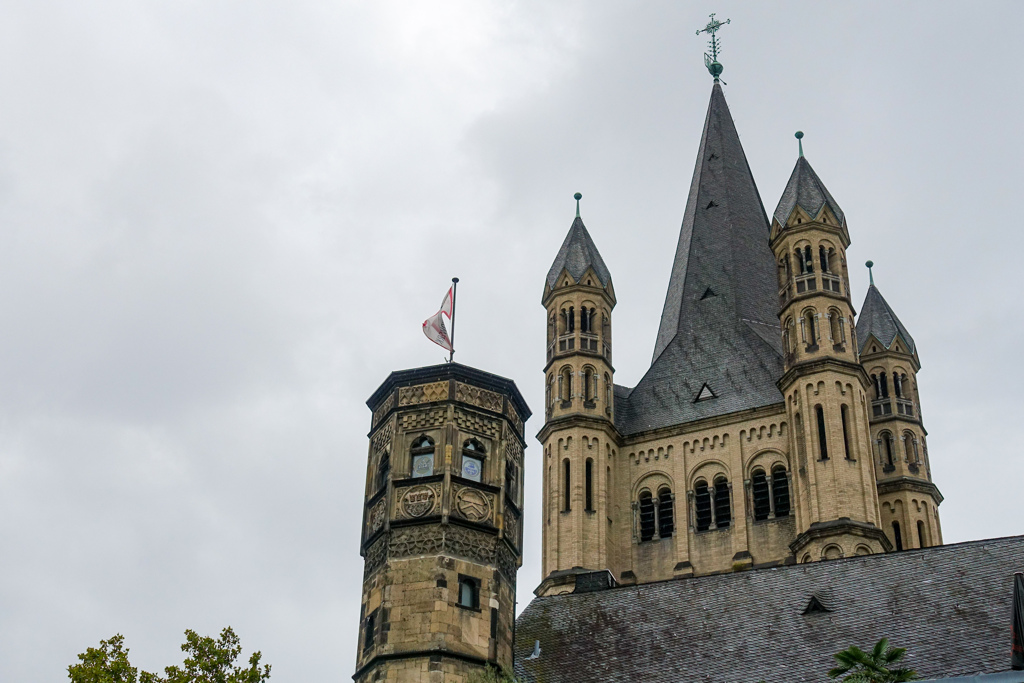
(823, 384)
(578, 407)
(909, 501)
(442, 525)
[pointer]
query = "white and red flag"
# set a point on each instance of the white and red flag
(434, 326)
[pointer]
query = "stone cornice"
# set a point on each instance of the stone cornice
(910, 484)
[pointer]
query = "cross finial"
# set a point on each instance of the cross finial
(711, 60)
(871, 276)
(577, 197)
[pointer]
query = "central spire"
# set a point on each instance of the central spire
(723, 242)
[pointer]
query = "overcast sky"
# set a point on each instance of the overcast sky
(222, 223)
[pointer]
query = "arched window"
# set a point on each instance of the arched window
(583, 319)
(833, 261)
(823, 258)
(783, 272)
(723, 510)
(921, 543)
(800, 261)
(897, 386)
(589, 485)
(566, 486)
(787, 341)
(808, 259)
(589, 384)
(780, 491)
(887, 457)
(646, 516)
(822, 436)
(762, 498)
(877, 385)
(422, 453)
(549, 391)
(834, 317)
(810, 332)
(885, 385)
(383, 470)
(702, 505)
(512, 480)
(897, 536)
(565, 384)
(472, 460)
(607, 391)
(844, 413)
(563, 322)
(910, 448)
(666, 520)
(572, 319)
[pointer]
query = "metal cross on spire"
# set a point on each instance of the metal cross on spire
(711, 60)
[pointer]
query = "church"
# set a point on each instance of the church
(760, 500)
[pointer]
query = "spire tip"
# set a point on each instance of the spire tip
(799, 135)
(871, 275)
(577, 197)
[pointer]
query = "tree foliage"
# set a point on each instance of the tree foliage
(207, 660)
(881, 665)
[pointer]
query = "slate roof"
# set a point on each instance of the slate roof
(948, 605)
(578, 252)
(879, 320)
(806, 190)
(719, 323)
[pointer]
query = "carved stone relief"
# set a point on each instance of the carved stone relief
(423, 393)
(376, 554)
(476, 423)
(514, 451)
(383, 409)
(418, 501)
(506, 561)
(513, 416)
(376, 516)
(471, 544)
(512, 527)
(416, 540)
(472, 504)
(423, 420)
(381, 441)
(488, 400)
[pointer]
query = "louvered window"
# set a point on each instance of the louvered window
(780, 491)
(723, 510)
(702, 505)
(646, 516)
(762, 499)
(666, 520)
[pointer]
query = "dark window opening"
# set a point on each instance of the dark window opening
(822, 436)
(469, 592)
(808, 259)
(800, 261)
(723, 511)
(572, 319)
(566, 487)
(887, 449)
(823, 258)
(383, 470)
(843, 411)
(780, 491)
(589, 488)
(646, 516)
(920, 535)
(897, 385)
(702, 505)
(897, 536)
(762, 500)
(371, 631)
(584, 321)
(885, 385)
(666, 521)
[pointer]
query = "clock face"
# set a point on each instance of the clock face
(423, 465)
(471, 468)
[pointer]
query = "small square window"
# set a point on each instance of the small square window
(469, 592)
(423, 465)
(471, 468)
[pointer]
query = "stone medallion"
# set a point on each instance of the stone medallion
(418, 501)
(472, 504)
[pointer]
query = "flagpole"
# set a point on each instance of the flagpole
(455, 291)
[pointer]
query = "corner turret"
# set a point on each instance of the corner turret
(908, 500)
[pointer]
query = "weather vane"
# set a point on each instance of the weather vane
(711, 60)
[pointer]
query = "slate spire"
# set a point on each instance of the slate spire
(719, 346)
(723, 242)
(878, 320)
(577, 254)
(806, 190)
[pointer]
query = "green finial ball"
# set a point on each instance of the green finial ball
(799, 134)
(715, 69)
(869, 264)
(577, 196)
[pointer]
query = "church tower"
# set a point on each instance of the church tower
(442, 525)
(578, 407)
(823, 384)
(908, 499)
